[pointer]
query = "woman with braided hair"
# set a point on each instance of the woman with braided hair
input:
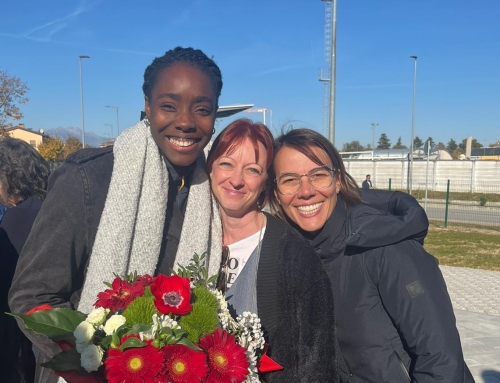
(132, 207)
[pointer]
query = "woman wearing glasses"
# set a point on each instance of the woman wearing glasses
(394, 318)
(269, 269)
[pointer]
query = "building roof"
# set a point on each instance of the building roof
(229, 110)
(23, 129)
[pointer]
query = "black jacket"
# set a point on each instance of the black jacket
(52, 266)
(295, 306)
(17, 361)
(395, 321)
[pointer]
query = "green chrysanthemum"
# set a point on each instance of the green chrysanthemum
(141, 310)
(203, 317)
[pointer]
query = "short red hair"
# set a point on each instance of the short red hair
(233, 136)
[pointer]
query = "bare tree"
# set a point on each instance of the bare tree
(12, 91)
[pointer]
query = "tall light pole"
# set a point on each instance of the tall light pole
(111, 130)
(410, 180)
(117, 122)
(81, 99)
(263, 111)
(331, 120)
(373, 137)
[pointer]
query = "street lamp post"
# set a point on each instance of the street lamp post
(81, 99)
(117, 122)
(110, 125)
(263, 111)
(373, 137)
(410, 180)
(333, 50)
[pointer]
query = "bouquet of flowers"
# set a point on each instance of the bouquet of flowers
(156, 329)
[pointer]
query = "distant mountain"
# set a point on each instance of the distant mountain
(63, 134)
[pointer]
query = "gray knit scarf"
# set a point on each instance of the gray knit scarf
(130, 231)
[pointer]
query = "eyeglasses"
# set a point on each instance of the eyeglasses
(221, 283)
(319, 178)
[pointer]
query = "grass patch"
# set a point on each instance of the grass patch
(465, 246)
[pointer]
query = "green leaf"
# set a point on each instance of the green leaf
(186, 342)
(132, 342)
(213, 278)
(105, 343)
(108, 284)
(139, 327)
(65, 361)
(57, 324)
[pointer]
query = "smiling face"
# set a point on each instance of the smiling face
(181, 111)
(238, 179)
(308, 208)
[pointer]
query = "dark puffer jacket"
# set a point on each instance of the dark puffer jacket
(395, 321)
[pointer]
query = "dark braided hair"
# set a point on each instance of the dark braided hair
(189, 56)
(23, 171)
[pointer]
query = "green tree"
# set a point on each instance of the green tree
(399, 144)
(417, 143)
(474, 144)
(71, 145)
(353, 146)
(52, 149)
(455, 154)
(431, 142)
(12, 91)
(383, 142)
(440, 146)
(451, 145)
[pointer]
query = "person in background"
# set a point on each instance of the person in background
(394, 317)
(268, 268)
(367, 183)
(23, 184)
(142, 205)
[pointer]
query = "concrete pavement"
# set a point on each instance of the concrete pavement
(476, 299)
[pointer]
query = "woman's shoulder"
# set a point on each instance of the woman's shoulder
(285, 234)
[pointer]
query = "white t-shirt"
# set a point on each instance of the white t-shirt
(239, 252)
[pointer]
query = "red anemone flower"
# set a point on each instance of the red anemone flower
(119, 296)
(172, 294)
(227, 360)
(185, 365)
(135, 364)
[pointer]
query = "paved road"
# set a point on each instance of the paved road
(476, 298)
(465, 214)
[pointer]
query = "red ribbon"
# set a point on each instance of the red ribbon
(266, 364)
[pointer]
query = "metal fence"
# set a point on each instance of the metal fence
(458, 204)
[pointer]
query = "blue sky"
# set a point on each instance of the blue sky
(270, 53)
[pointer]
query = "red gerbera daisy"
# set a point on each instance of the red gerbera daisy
(172, 294)
(135, 365)
(119, 296)
(227, 360)
(184, 365)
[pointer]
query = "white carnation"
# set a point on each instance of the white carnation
(84, 332)
(97, 316)
(113, 323)
(91, 358)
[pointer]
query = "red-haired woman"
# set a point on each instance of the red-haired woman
(267, 267)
